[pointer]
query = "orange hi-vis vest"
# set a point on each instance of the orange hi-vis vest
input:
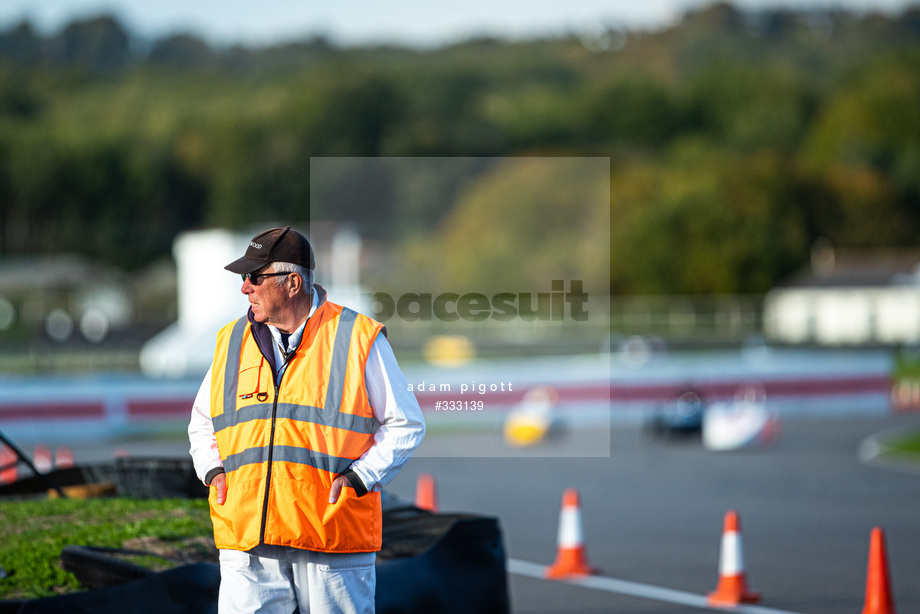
(283, 443)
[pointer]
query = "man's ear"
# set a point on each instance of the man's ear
(296, 285)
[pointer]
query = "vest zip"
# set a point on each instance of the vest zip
(271, 450)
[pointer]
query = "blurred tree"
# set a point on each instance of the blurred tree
(353, 116)
(360, 191)
(750, 107)
(260, 167)
(634, 109)
(864, 149)
(737, 137)
(99, 44)
(523, 222)
(104, 199)
(21, 44)
(711, 221)
(443, 115)
(180, 52)
(255, 172)
(18, 100)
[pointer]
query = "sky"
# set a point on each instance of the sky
(355, 22)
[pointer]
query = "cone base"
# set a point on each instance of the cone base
(717, 599)
(732, 590)
(569, 563)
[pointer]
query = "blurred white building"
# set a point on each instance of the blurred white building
(848, 298)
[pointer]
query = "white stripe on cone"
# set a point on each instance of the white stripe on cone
(41, 458)
(570, 531)
(732, 557)
(63, 458)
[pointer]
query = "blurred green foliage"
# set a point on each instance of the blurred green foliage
(736, 139)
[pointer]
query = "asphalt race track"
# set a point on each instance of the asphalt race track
(653, 510)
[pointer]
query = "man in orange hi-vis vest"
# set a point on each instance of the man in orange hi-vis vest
(303, 416)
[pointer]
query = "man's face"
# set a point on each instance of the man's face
(266, 297)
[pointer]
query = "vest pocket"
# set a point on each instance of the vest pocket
(250, 384)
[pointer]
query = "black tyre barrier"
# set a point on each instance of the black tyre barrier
(11, 606)
(135, 477)
(458, 567)
(98, 567)
(190, 589)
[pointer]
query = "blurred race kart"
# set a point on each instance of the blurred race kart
(745, 422)
(682, 416)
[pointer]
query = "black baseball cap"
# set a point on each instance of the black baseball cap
(274, 245)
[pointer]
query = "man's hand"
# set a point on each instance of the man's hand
(337, 485)
(220, 483)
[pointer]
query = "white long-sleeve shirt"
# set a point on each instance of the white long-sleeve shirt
(395, 407)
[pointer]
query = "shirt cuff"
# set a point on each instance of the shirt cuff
(213, 473)
(355, 481)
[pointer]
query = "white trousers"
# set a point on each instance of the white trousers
(282, 580)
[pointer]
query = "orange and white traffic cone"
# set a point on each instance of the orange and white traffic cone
(426, 493)
(63, 458)
(8, 465)
(878, 587)
(732, 588)
(571, 557)
(41, 458)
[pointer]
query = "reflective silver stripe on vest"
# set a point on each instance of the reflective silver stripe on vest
(339, 360)
(330, 416)
(232, 368)
(301, 413)
(287, 454)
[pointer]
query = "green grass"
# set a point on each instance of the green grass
(907, 445)
(907, 365)
(34, 532)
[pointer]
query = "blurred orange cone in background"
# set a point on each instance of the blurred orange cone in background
(63, 458)
(571, 557)
(8, 457)
(426, 494)
(41, 458)
(878, 587)
(732, 588)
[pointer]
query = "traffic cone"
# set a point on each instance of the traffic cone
(878, 587)
(732, 588)
(63, 457)
(571, 558)
(426, 494)
(41, 458)
(8, 465)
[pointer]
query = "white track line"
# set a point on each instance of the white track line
(635, 589)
